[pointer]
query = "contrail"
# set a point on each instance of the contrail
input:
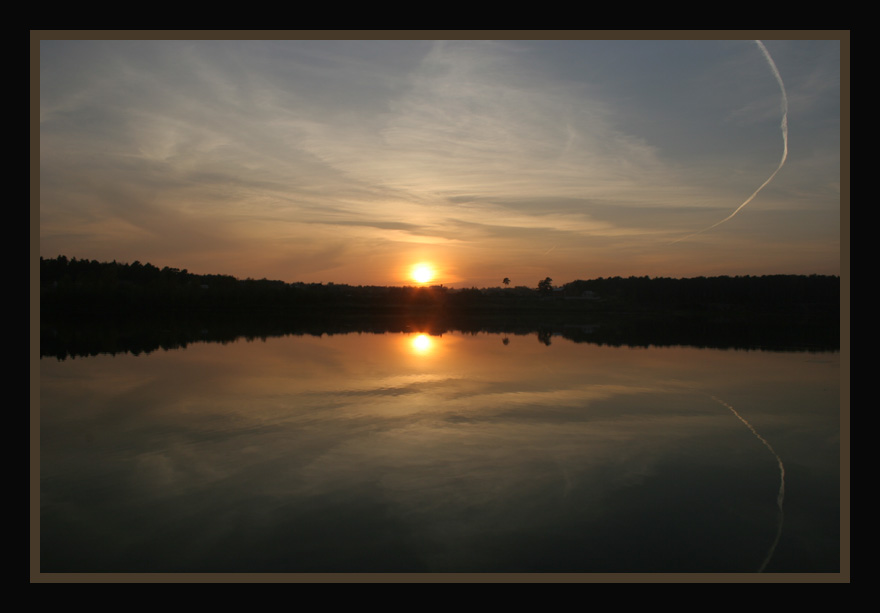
(779, 496)
(784, 127)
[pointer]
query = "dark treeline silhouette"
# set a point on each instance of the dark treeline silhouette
(85, 288)
(764, 294)
(90, 307)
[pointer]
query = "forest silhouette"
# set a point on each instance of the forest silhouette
(89, 307)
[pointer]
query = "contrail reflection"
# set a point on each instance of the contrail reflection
(780, 496)
(784, 127)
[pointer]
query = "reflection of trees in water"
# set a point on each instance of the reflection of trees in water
(88, 307)
(77, 336)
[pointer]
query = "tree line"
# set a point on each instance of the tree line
(88, 306)
(89, 287)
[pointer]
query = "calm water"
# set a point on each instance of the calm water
(453, 453)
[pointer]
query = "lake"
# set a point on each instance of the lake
(460, 452)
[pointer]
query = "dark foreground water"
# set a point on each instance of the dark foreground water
(454, 453)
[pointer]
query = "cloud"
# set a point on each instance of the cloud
(474, 122)
(475, 144)
(784, 127)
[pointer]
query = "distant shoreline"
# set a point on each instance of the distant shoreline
(140, 307)
(89, 287)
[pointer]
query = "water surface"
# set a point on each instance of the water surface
(453, 453)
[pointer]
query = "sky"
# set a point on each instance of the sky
(352, 161)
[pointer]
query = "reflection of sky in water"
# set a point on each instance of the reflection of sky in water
(450, 453)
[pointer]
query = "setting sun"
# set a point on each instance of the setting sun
(422, 273)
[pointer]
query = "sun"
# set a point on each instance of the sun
(422, 273)
(422, 344)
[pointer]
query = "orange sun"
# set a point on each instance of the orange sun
(422, 273)
(422, 344)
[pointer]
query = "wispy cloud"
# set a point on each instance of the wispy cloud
(463, 144)
(784, 127)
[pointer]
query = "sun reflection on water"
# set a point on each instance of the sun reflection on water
(422, 344)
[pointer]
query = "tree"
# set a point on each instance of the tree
(506, 281)
(545, 286)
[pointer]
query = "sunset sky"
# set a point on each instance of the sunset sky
(350, 161)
